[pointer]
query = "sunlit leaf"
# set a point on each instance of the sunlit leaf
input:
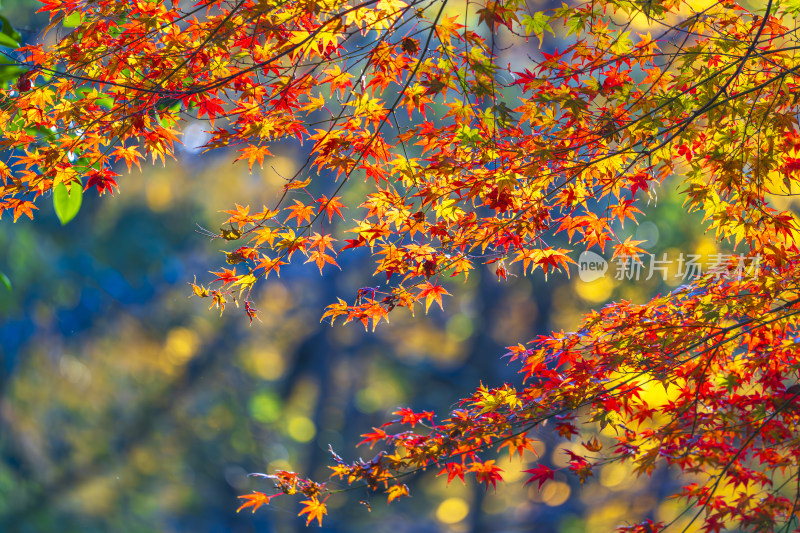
(67, 203)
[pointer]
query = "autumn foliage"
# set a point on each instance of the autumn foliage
(468, 156)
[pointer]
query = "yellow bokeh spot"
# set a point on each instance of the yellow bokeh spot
(640, 22)
(513, 469)
(606, 517)
(368, 400)
(181, 345)
(671, 511)
(266, 363)
(303, 397)
(275, 299)
(414, 343)
(382, 393)
(301, 429)
(696, 6)
(656, 393)
(98, 496)
(612, 475)
(279, 464)
(158, 193)
(634, 293)
(452, 510)
(555, 493)
(705, 248)
(220, 418)
(278, 170)
(597, 291)
(143, 460)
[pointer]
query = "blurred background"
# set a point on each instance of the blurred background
(127, 406)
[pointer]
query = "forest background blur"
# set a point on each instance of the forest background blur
(126, 406)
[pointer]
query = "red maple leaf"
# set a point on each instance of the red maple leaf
(540, 473)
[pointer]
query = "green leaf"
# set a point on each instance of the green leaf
(792, 6)
(5, 40)
(8, 35)
(72, 21)
(5, 281)
(575, 24)
(537, 24)
(67, 203)
(10, 73)
(623, 44)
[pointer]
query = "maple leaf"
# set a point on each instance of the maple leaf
(254, 153)
(240, 216)
(211, 107)
(593, 445)
(321, 259)
(625, 209)
(409, 45)
(217, 300)
(315, 509)
(432, 293)
(331, 206)
(102, 179)
(338, 80)
(434, 86)
(300, 211)
(453, 470)
(335, 310)
(130, 155)
(628, 248)
(448, 28)
(518, 443)
(252, 312)
(226, 276)
(21, 207)
(487, 472)
(199, 290)
(255, 500)
(540, 473)
(410, 417)
(396, 491)
(599, 121)
(374, 437)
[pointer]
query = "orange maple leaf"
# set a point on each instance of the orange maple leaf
(338, 79)
(226, 276)
(129, 154)
(240, 216)
(255, 500)
(300, 211)
(321, 259)
(487, 473)
(316, 510)
(396, 492)
(331, 206)
(22, 207)
(432, 293)
(518, 444)
(254, 154)
(374, 437)
(628, 248)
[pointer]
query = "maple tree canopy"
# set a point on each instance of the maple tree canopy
(468, 154)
